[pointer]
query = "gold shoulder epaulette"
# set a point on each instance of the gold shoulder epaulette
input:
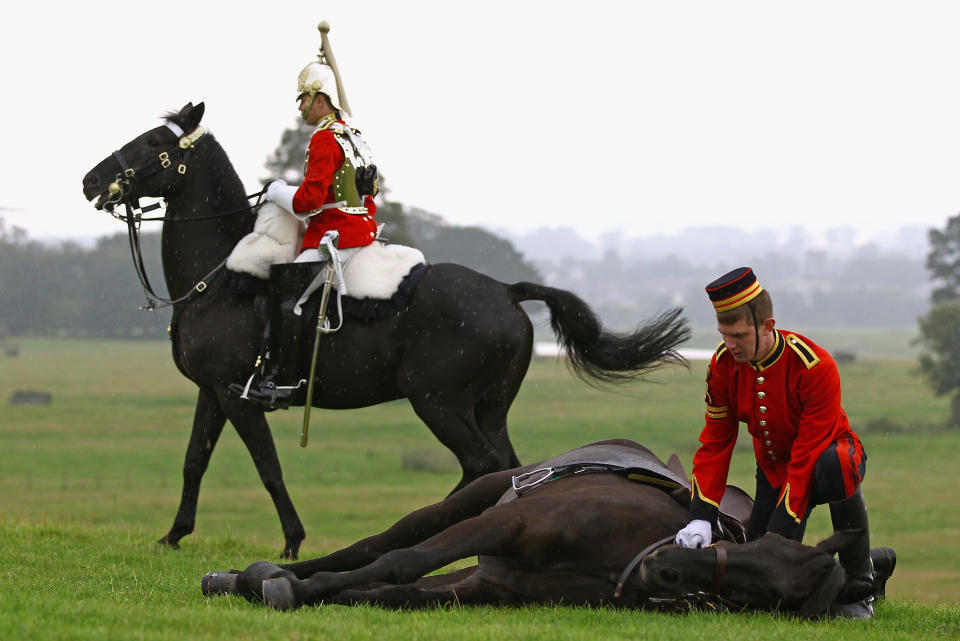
(807, 355)
(721, 348)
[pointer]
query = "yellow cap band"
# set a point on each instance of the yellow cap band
(738, 299)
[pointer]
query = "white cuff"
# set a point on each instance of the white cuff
(282, 194)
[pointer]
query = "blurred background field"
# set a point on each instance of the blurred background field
(107, 453)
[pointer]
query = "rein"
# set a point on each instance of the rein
(120, 192)
(636, 561)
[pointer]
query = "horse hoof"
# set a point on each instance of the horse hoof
(165, 543)
(278, 594)
(214, 583)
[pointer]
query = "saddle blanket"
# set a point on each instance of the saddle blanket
(374, 271)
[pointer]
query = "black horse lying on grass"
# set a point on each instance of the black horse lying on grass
(561, 531)
(459, 350)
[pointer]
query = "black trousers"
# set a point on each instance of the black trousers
(837, 475)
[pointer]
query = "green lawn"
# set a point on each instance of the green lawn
(90, 481)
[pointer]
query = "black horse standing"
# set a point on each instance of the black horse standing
(458, 352)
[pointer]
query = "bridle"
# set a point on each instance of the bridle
(814, 605)
(120, 189)
(120, 192)
(712, 599)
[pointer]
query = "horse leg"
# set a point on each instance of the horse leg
(408, 531)
(490, 533)
(208, 422)
(452, 589)
(254, 431)
(494, 584)
(414, 528)
(455, 426)
(491, 410)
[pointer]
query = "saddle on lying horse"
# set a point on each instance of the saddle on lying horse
(638, 464)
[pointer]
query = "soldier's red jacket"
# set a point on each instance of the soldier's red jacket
(790, 401)
(324, 159)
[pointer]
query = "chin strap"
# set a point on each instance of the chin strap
(756, 332)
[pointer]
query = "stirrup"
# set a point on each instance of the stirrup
(271, 398)
(269, 395)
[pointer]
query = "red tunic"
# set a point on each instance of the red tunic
(324, 158)
(790, 402)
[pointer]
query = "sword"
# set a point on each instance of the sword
(321, 329)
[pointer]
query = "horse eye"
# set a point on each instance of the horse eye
(154, 140)
(669, 575)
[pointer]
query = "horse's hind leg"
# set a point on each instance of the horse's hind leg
(208, 422)
(415, 527)
(412, 529)
(508, 365)
(254, 431)
(445, 590)
(455, 426)
(491, 410)
(490, 533)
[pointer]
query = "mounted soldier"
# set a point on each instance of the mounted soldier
(787, 390)
(335, 200)
(455, 343)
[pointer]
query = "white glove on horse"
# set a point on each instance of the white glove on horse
(697, 534)
(281, 193)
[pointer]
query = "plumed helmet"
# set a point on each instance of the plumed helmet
(322, 75)
(317, 78)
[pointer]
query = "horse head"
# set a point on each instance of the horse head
(152, 164)
(772, 572)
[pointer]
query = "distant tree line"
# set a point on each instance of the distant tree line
(70, 290)
(810, 289)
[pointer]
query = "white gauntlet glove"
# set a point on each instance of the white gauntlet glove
(696, 534)
(281, 193)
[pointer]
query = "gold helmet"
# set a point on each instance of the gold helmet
(322, 76)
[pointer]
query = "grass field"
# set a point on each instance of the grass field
(90, 481)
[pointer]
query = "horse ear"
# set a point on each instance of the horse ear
(191, 115)
(840, 540)
(192, 118)
(675, 466)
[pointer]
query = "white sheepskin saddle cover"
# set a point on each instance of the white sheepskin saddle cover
(374, 271)
(377, 270)
(275, 238)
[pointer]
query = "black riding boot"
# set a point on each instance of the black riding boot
(279, 379)
(884, 561)
(857, 593)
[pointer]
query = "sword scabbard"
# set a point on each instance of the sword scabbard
(321, 320)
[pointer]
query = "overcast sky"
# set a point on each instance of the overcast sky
(645, 117)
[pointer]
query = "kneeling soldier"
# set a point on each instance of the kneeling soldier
(787, 391)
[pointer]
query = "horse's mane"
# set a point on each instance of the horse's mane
(171, 116)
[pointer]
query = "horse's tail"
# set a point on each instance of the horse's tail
(597, 355)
